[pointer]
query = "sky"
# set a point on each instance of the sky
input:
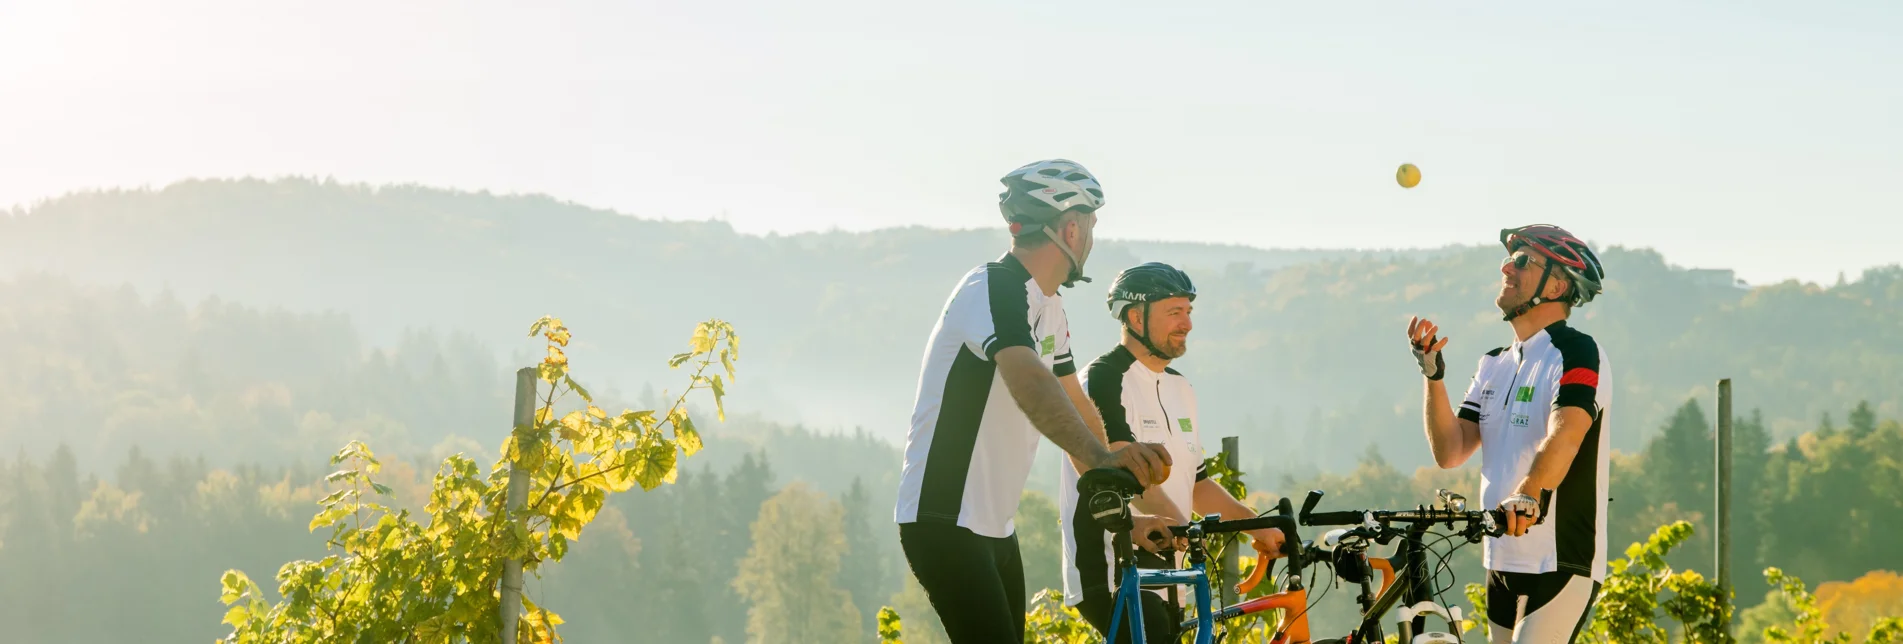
(1759, 136)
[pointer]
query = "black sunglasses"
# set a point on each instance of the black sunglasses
(1519, 261)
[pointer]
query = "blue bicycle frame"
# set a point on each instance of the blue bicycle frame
(1133, 579)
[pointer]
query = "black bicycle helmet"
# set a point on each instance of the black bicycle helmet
(1144, 284)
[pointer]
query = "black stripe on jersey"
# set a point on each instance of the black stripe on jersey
(1577, 517)
(1202, 472)
(1010, 304)
(1064, 365)
(1104, 383)
(1576, 507)
(1579, 370)
(955, 435)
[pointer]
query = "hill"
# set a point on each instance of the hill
(1298, 351)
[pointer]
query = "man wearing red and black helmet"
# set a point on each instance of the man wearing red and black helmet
(1536, 412)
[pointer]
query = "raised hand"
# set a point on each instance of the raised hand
(1421, 338)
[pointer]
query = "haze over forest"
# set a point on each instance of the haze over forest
(1298, 351)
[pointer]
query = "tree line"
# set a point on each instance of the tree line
(736, 541)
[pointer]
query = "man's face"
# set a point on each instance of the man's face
(1080, 235)
(1168, 326)
(1520, 274)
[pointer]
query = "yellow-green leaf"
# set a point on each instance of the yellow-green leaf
(686, 435)
(620, 477)
(597, 412)
(703, 341)
(726, 360)
(544, 323)
(331, 515)
(235, 585)
(589, 474)
(643, 419)
(579, 391)
(573, 424)
(656, 465)
(889, 626)
(679, 359)
(555, 356)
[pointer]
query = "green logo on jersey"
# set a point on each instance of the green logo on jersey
(1186, 425)
(1523, 394)
(1050, 344)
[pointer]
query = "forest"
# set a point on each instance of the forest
(185, 359)
(1294, 349)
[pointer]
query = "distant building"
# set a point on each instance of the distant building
(1714, 277)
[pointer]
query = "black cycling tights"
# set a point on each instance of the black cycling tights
(976, 583)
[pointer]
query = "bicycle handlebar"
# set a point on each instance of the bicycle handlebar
(1494, 520)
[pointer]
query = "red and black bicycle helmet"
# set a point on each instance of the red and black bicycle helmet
(1562, 250)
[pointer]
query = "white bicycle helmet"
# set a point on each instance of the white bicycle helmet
(1036, 194)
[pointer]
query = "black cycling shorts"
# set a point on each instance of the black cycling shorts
(976, 583)
(1545, 607)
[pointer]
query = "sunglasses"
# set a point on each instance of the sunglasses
(1520, 261)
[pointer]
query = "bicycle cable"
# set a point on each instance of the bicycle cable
(1440, 591)
(1311, 604)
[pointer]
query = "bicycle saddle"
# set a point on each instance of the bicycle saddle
(1106, 494)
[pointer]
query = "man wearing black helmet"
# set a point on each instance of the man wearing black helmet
(998, 372)
(1536, 411)
(1141, 398)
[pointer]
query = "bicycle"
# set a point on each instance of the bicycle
(1344, 551)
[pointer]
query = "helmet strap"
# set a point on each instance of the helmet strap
(1539, 293)
(1144, 337)
(1076, 267)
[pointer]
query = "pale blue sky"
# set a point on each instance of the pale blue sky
(1760, 136)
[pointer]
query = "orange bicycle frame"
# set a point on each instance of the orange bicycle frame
(1294, 601)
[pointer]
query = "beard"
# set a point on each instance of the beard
(1174, 347)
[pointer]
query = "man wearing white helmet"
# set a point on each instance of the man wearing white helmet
(997, 373)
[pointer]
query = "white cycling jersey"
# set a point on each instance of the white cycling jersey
(1512, 397)
(1137, 405)
(970, 447)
